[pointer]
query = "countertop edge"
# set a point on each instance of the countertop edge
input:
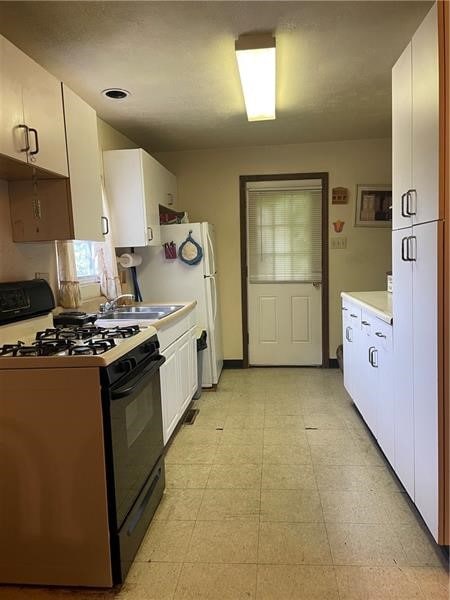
(381, 314)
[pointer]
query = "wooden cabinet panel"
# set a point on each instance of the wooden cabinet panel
(401, 136)
(170, 391)
(403, 361)
(13, 139)
(43, 114)
(84, 167)
(425, 119)
(184, 356)
(135, 185)
(40, 212)
(425, 373)
(384, 400)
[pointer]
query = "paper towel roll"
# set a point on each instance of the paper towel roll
(129, 260)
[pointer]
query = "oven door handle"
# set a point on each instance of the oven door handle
(129, 387)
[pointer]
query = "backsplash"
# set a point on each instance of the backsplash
(22, 261)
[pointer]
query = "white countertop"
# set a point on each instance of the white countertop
(380, 303)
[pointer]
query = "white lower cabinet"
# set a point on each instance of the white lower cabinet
(368, 372)
(178, 378)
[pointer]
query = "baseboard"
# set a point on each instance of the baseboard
(333, 363)
(233, 363)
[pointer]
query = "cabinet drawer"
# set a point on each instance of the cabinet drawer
(382, 333)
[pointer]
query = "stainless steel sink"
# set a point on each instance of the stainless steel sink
(152, 313)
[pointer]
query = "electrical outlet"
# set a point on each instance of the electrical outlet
(45, 276)
(338, 243)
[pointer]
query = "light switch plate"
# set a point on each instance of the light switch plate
(338, 243)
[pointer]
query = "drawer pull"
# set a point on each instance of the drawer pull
(353, 315)
(344, 308)
(379, 334)
(365, 322)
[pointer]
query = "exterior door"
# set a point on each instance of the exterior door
(284, 246)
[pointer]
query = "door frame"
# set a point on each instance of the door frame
(243, 180)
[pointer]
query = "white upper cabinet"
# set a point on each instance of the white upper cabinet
(84, 168)
(401, 138)
(136, 184)
(32, 120)
(415, 128)
(425, 121)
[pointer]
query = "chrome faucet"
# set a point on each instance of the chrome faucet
(112, 305)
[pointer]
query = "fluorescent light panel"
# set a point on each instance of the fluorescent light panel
(256, 58)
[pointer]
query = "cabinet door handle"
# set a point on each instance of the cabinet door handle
(409, 196)
(412, 244)
(27, 138)
(151, 233)
(379, 334)
(404, 213)
(347, 333)
(374, 354)
(105, 220)
(405, 249)
(36, 141)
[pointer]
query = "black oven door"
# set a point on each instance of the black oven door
(136, 433)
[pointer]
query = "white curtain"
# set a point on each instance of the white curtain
(105, 259)
(69, 295)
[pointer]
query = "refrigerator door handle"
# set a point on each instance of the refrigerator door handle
(212, 258)
(213, 285)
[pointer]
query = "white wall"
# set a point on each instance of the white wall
(208, 188)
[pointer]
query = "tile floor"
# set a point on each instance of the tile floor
(278, 492)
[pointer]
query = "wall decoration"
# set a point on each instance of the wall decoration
(338, 226)
(373, 206)
(339, 195)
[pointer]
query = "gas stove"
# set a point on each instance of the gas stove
(27, 331)
(70, 341)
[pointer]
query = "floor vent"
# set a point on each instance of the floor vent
(191, 415)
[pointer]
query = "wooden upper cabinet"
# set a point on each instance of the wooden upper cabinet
(415, 128)
(13, 136)
(64, 209)
(136, 184)
(32, 120)
(84, 168)
(425, 119)
(401, 138)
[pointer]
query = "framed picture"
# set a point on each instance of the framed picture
(373, 206)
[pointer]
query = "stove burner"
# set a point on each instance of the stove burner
(51, 347)
(10, 349)
(29, 351)
(94, 347)
(80, 350)
(120, 332)
(68, 333)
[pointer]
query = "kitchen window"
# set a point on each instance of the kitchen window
(285, 234)
(85, 260)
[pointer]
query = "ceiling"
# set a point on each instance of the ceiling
(177, 60)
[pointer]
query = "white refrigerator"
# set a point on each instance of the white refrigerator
(171, 280)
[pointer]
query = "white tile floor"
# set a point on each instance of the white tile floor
(278, 491)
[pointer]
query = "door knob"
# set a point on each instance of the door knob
(317, 284)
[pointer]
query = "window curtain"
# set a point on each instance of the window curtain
(69, 294)
(285, 235)
(105, 259)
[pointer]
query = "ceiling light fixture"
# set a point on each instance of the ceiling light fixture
(255, 54)
(115, 93)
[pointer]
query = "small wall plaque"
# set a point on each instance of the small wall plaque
(339, 195)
